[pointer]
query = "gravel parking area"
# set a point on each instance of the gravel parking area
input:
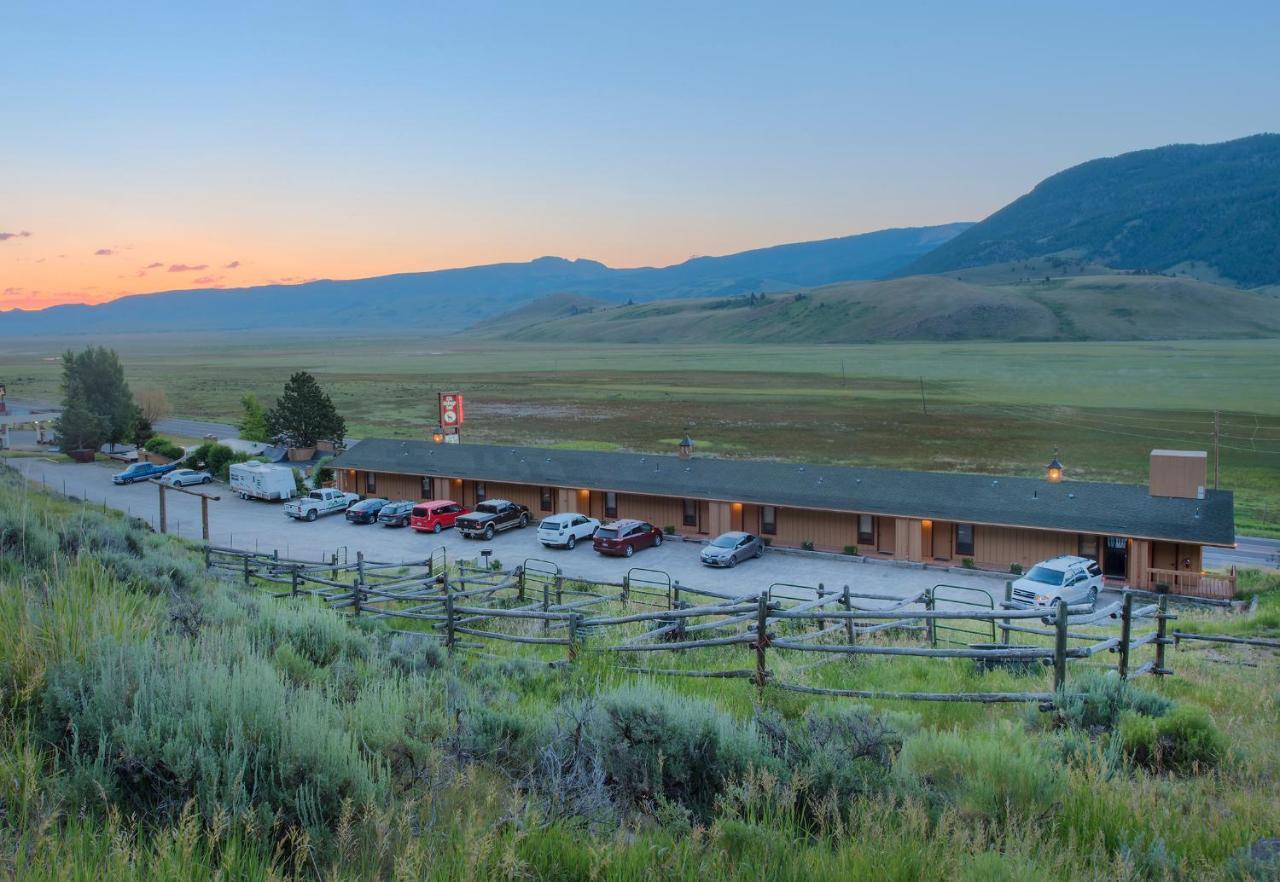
(262, 526)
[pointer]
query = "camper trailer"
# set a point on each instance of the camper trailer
(261, 480)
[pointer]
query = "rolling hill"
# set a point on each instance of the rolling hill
(1092, 307)
(447, 300)
(1211, 211)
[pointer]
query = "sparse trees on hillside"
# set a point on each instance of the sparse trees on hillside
(304, 415)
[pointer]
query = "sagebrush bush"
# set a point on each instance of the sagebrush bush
(657, 745)
(149, 727)
(1181, 741)
(992, 776)
(1095, 700)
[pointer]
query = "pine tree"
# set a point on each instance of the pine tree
(94, 380)
(78, 427)
(304, 414)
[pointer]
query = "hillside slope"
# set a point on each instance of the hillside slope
(1210, 210)
(1101, 307)
(446, 300)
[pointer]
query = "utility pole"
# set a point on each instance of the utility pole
(1217, 425)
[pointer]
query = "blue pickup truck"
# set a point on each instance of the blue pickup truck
(142, 471)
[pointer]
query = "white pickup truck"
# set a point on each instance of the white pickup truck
(319, 502)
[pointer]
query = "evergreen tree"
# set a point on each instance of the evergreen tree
(79, 428)
(94, 380)
(304, 414)
(253, 425)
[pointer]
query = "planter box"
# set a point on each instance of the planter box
(301, 454)
(82, 455)
(155, 458)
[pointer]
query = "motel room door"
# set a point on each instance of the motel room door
(1115, 557)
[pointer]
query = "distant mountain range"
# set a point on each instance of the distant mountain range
(1176, 214)
(1080, 307)
(1212, 211)
(449, 300)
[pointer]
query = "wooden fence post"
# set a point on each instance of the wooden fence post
(930, 606)
(822, 592)
(520, 583)
(293, 590)
(246, 567)
(546, 605)
(675, 594)
(164, 521)
(574, 618)
(358, 592)
(626, 589)
(1161, 630)
(448, 622)
(1060, 647)
(204, 518)
(559, 590)
(207, 558)
(848, 608)
(762, 640)
(1126, 626)
(333, 567)
(1008, 598)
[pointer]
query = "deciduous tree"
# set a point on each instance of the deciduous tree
(253, 425)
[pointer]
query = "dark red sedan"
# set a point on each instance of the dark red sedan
(625, 538)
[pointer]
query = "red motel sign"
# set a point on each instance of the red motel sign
(451, 414)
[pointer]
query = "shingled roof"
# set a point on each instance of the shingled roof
(1076, 506)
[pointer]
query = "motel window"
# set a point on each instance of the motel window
(1088, 547)
(768, 520)
(690, 518)
(611, 505)
(544, 501)
(426, 488)
(480, 493)
(964, 539)
(370, 482)
(866, 529)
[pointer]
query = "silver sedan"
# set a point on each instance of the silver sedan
(186, 477)
(728, 549)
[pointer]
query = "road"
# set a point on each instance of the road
(189, 428)
(262, 526)
(1250, 551)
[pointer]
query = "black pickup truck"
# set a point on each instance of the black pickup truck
(491, 517)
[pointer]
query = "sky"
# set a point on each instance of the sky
(149, 147)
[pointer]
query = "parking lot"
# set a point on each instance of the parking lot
(262, 526)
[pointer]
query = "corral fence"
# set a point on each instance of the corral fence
(476, 607)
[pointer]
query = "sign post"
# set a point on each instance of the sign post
(451, 415)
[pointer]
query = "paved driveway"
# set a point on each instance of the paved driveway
(262, 526)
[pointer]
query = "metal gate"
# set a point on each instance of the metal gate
(953, 630)
(652, 587)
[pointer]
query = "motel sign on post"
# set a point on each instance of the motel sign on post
(451, 414)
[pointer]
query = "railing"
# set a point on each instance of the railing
(1216, 585)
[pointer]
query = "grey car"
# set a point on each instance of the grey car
(728, 549)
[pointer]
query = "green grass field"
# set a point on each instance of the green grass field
(988, 407)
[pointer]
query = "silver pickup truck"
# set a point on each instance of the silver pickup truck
(319, 502)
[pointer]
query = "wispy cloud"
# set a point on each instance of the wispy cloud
(187, 268)
(235, 264)
(103, 252)
(24, 234)
(155, 265)
(207, 280)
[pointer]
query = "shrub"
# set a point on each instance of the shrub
(502, 734)
(655, 745)
(669, 529)
(851, 550)
(767, 540)
(149, 728)
(322, 473)
(1181, 741)
(807, 545)
(966, 562)
(164, 447)
(1015, 568)
(1095, 701)
(994, 777)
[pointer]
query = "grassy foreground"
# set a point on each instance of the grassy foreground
(157, 724)
(988, 407)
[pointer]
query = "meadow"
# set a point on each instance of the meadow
(984, 407)
(156, 723)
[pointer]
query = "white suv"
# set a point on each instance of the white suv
(1077, 580)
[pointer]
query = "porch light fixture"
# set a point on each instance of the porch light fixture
(437, 434)
(1054, 473)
